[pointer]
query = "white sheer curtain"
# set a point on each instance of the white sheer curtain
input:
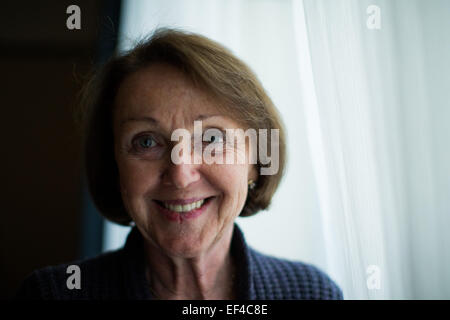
(378, 111)
(367, 112)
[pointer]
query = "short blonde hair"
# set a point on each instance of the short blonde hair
(206, 63)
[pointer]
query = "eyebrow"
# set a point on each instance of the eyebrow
(156, 122)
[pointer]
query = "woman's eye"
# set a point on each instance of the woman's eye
(144, 143)
(215, 139)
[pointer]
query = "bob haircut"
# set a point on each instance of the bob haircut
(207, 64)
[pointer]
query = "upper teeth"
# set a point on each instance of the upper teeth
(184, 207)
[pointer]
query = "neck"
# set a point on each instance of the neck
(207, 276)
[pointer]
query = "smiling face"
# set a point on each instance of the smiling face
(149, 106)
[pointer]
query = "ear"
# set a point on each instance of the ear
(253, 172)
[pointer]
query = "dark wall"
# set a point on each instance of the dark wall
(42, 67)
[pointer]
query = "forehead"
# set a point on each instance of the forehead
(162, 90)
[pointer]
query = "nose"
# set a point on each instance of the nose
(181, 174)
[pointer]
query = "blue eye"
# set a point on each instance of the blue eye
(144, 142)
(213, 136)
(213, 139)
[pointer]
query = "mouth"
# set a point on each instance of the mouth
(177, 210)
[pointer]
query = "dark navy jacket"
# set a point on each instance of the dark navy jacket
(120, 275)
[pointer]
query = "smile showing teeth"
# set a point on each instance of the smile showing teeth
(185, 207)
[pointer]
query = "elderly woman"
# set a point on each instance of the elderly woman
(185, 244)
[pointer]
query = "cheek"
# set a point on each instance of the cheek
(136, 177)
(232, 182)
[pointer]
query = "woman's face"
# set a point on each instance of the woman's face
(150, 104)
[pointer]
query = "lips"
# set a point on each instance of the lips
(180, 209)
(183, 201)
